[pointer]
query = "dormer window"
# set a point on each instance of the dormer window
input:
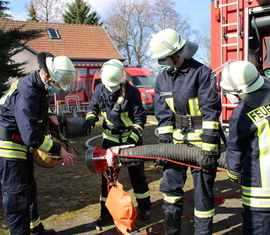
(53, 33)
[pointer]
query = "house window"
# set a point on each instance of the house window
(92, 71)
(83, 71)
(53, 33)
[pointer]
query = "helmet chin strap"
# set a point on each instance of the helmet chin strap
(174, 63)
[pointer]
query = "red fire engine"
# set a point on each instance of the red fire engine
(240, 30)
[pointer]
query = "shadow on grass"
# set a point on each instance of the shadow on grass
(86, 228)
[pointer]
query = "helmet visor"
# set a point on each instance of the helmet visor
(64, 77)
(216, 76)
(112, 74)
(157, 48)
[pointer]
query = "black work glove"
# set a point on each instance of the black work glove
(234, 176)
(88, 123)
(159, 162)
(207, 161)
(130, 141)
(208, 158)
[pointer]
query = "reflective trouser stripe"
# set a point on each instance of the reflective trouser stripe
(235, 177)
(35, 223)
(172, 199)
(142, 195)
(204, 214)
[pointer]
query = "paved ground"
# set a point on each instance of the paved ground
(227, 220)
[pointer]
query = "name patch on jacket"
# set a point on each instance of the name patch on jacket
(260, 113)
(166, 93)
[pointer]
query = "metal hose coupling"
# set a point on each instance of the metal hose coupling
(98, 159)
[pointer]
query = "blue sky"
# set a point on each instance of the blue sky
(198, 10)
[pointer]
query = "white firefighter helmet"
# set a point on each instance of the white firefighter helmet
(167, 42)
(112, 73)
(61, 70)
(240, 77)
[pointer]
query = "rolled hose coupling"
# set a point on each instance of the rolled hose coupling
(97, 159)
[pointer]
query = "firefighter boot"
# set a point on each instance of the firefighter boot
(172, 224)
(104, 215)
(145, 215)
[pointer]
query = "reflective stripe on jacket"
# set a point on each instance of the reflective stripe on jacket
(187, 92)
(118, 123)
(248, 152)
(23, 110)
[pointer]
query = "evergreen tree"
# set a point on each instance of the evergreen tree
(12, 42)
(3, 8)
(79, 12)
(32, 12)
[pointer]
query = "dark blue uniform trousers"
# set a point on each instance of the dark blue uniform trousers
(174, 178)
(255, 222)
(19, 195)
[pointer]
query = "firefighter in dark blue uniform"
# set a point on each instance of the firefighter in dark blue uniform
(248, 151)
(23, 114)
(188, 112)
(123, 122)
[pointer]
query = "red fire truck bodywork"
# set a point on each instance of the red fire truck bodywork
(240, 30)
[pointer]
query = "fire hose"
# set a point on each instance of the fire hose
(98, 159)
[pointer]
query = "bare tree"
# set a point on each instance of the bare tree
(47, 10)
(127, 26)
(203, 39)
(131, 22)
(164, 16)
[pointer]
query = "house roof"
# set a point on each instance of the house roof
(77, 41)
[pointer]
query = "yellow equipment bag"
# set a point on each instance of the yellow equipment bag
(121, 209)
(49, 160)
